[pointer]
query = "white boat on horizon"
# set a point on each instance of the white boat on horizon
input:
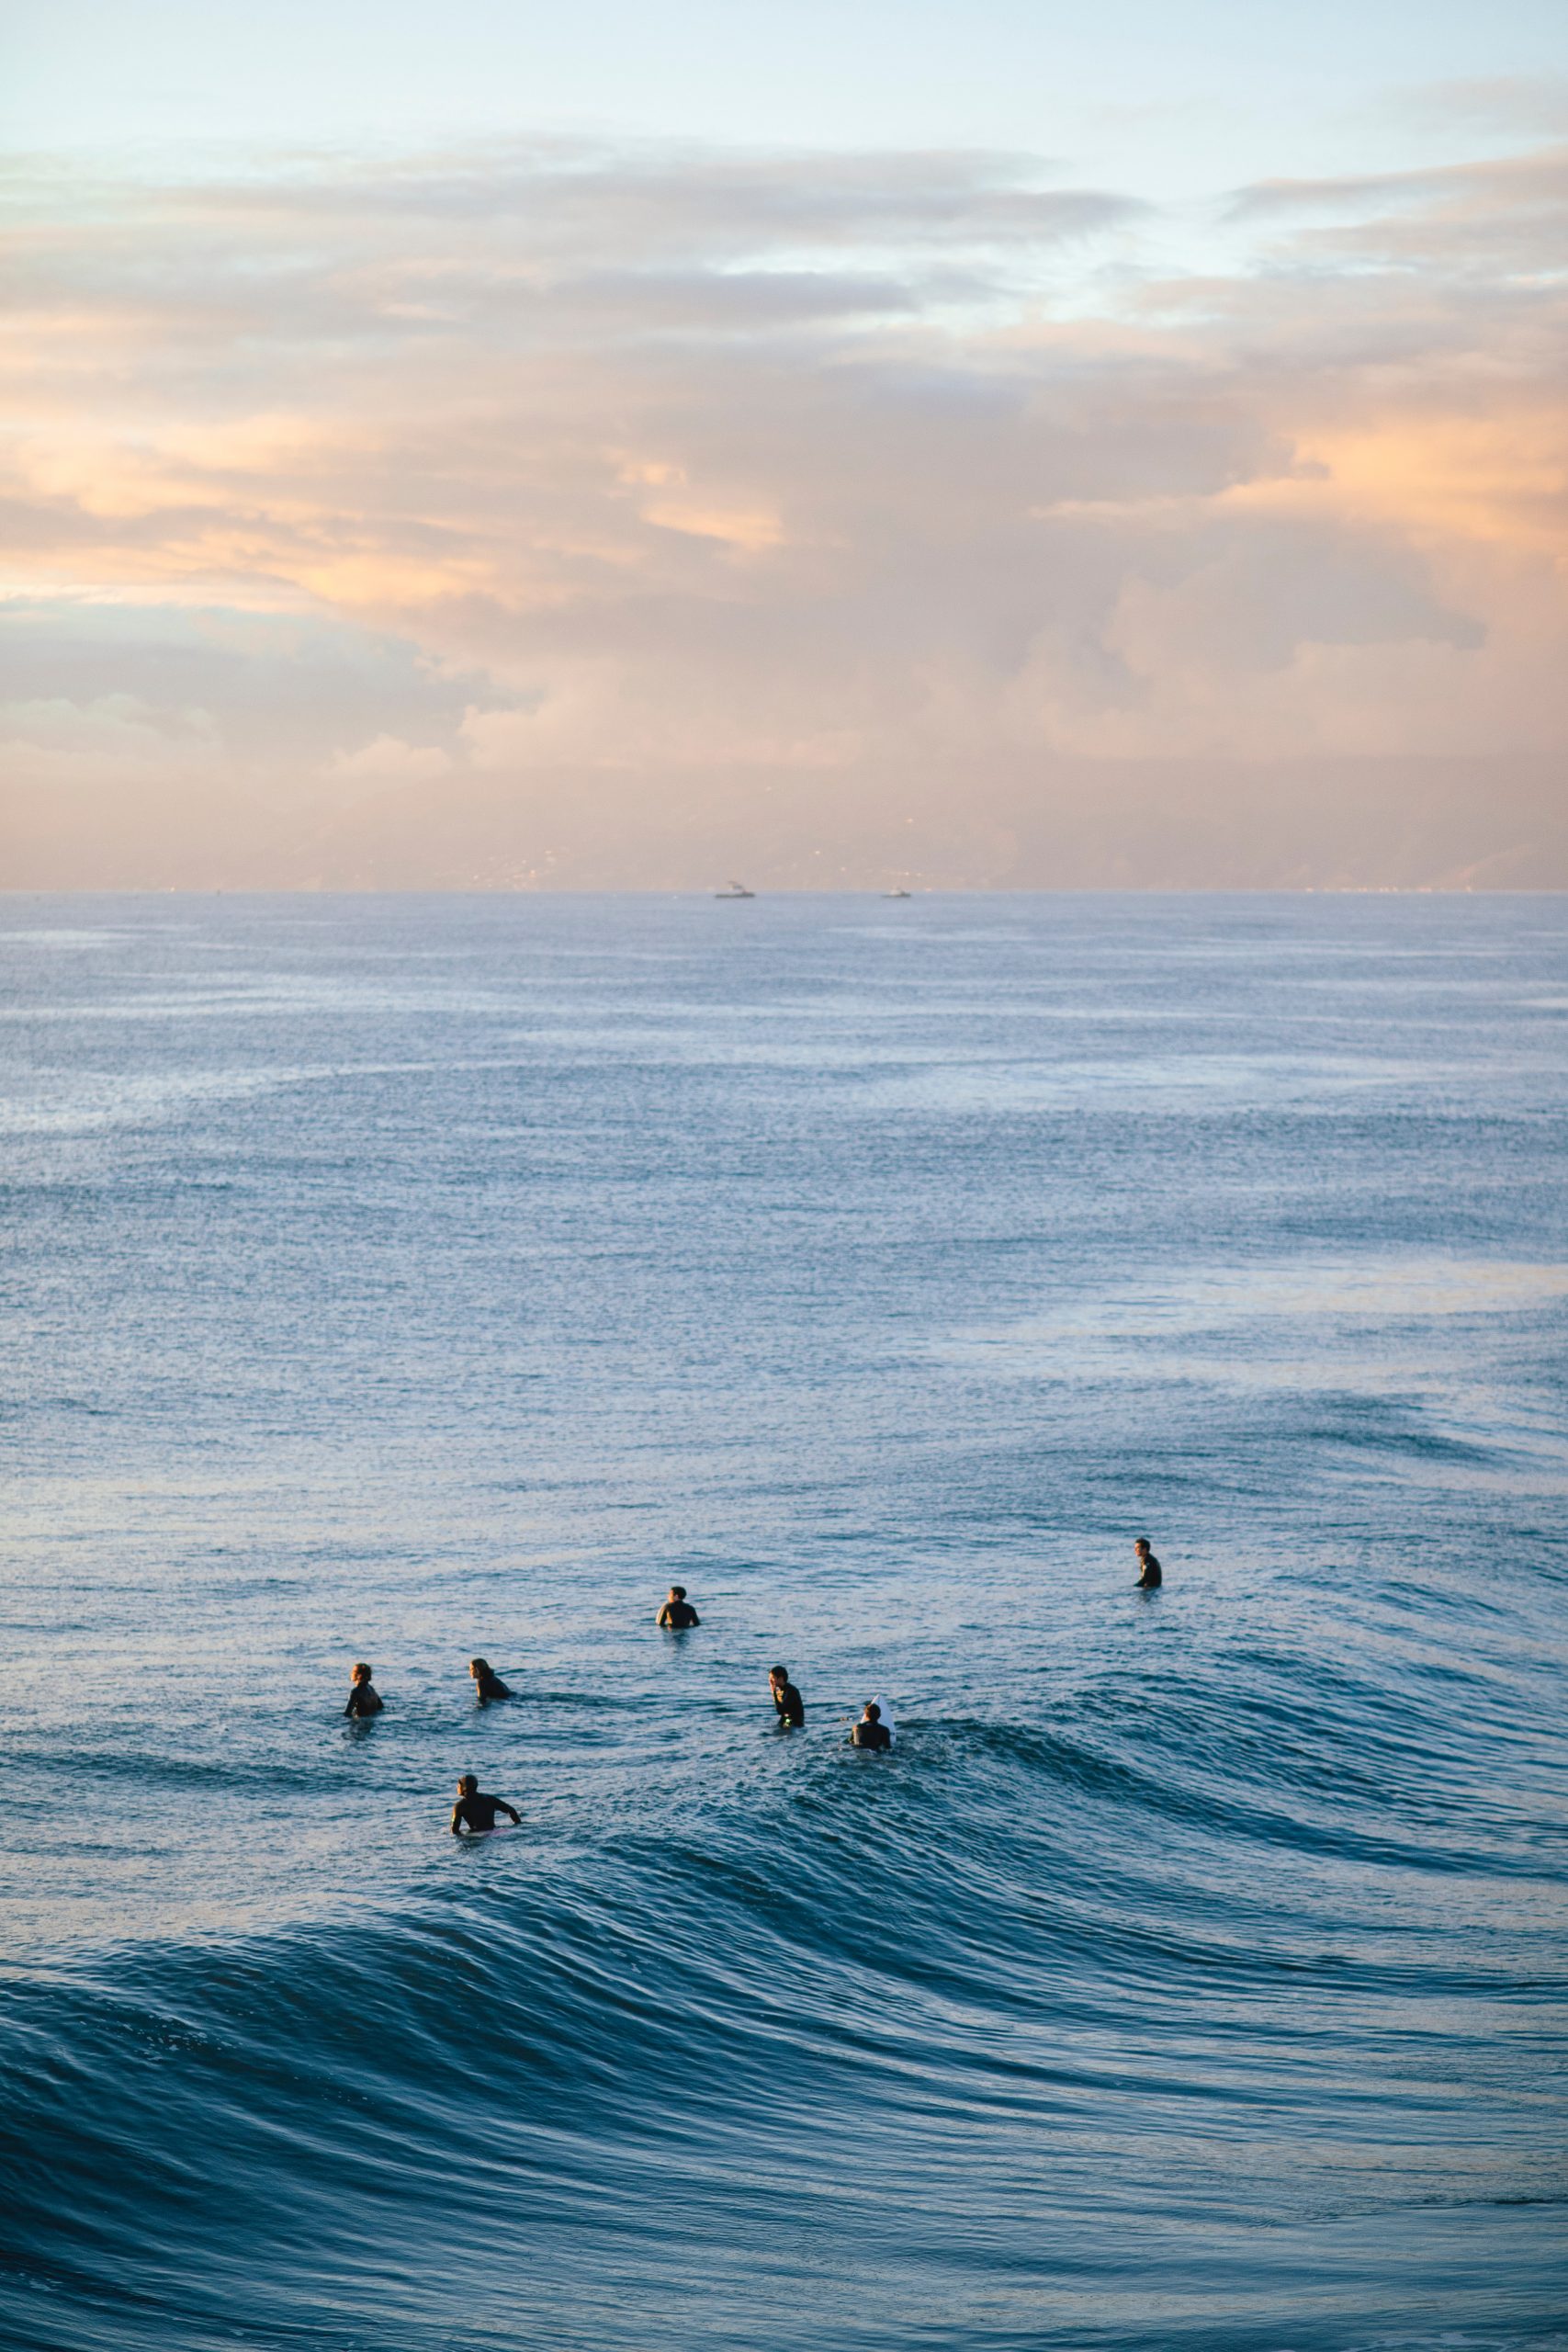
(734, 890)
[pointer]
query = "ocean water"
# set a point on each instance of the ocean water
(405, 1279)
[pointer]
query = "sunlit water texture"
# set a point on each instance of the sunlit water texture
(403, 1280)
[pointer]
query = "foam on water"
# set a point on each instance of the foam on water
(409, 1280)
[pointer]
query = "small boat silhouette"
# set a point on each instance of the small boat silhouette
(895, 894)
(734, 890)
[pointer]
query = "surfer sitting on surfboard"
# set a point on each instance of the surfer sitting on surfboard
(488, 1684)
(787, 1698)
(678, 1611)
(871, 1731)
(477, 1812)
(363, 1699)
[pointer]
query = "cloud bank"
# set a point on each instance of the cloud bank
(543, 514)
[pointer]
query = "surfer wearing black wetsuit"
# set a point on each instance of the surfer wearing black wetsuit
(791, 1706)
(363, 1699)
(488, 1684)
(871, 1731)
(678, 1611)
(1148, 1566)
(475, 1812)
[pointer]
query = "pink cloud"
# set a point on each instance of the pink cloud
(691, 500)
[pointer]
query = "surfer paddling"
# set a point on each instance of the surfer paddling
(475, 1813)
(363, 1699)
(871, 1731)
(678, 1612)
(488, 1684)
(1148, 1566)
(787, 1701)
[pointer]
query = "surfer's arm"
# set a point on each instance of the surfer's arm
(511, 1809)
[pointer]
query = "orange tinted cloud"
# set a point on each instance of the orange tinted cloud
(618, 469)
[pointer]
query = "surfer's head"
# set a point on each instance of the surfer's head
(466, 1784)
(1141, 1545)
(778, 1674)
(871, 1712)
(677, 1593)
(477, 1666)
(361, 1673)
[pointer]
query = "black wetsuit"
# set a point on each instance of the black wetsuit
(363, 1701)
(478, 1812)
(791, 1707)
(870, 1735)
(678, 1615)
(1151, 1575)
(491, 1686)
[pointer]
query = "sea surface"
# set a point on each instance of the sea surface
(404, 1279)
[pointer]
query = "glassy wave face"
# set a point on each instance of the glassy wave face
(409, 1281)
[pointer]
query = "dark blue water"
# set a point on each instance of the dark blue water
(400, 1279)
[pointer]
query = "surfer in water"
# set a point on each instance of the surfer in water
(488, 1684)
(1148, 1566)
(791, 1706)
(678, 1611)
(363, 1699)
(475, 1812)
(871, 1731)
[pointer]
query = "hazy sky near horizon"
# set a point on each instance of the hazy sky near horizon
(589, 418)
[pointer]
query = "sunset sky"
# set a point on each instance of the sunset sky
(1006, 445)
